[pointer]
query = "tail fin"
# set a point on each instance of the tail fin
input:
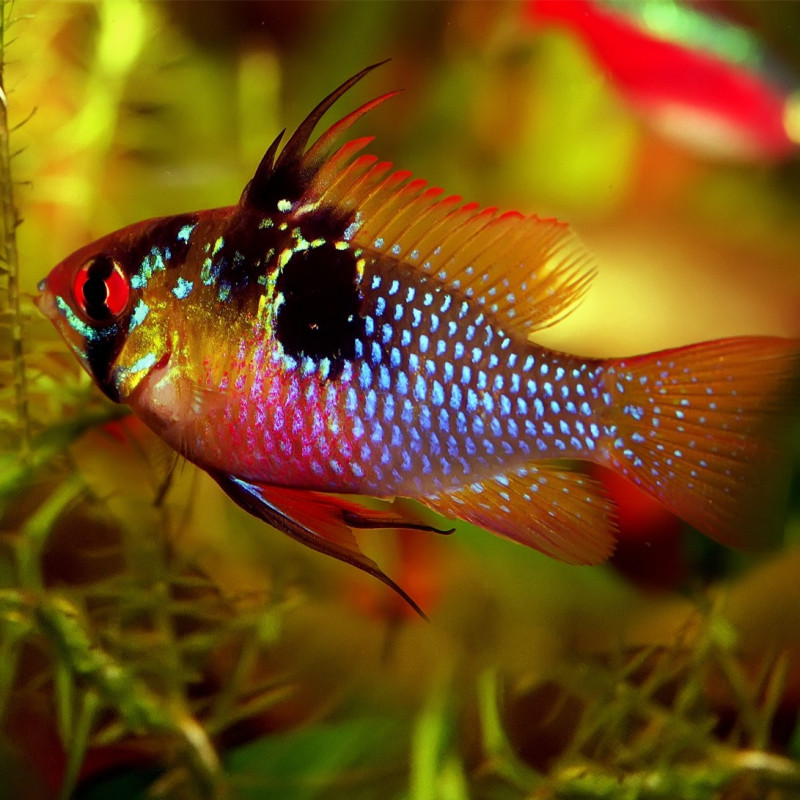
(698, 427)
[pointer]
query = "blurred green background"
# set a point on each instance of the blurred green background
(156, 641)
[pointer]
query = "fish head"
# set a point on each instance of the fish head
(114, 301)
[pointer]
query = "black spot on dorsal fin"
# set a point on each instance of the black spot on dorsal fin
(287, 176)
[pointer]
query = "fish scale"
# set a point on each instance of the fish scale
(347, 330)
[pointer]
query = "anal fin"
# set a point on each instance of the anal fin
(563, 514)
(321, 521)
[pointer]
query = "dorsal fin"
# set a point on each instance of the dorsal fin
(528, 272)
(288, 176)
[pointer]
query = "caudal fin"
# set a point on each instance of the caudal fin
(700, 428)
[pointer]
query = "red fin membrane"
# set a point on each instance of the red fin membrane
(322, 522)
(528, 272)
(697, 428)
(562, 514)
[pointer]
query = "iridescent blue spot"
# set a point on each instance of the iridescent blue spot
(376, 353)
(441, 347)
(513, 428)
(470, 333)
(455, 397)
(183, 288)
(522, 407)
(145, 362)
(185, 232)
(388, 408)
(544, 369)
(488, 403)
(434, 323)
(547, 387)
(398, 312)
(384, 381)
(472, 401)
(469, 446)
(394, 358)
(425, 418)
(413, 362)
(416, 317)
(420, 389)
(477, 426)
(547, 428)
(402, 383)
(476, 355)
(482, 379)
(637, 437)
(458, 350)
(461, 422)
(407, 414)
(448, 371)
(563, 427)
(380, 306)
(538, 407)
(437, 394)
(376, 282)
(365, 376)
(565, 391)
(139, 315)
(446, 302)
(464, 310)
(423, 343)
(529, 364)
(370, 404)
(505, 405)
(405, 337)
(379, 244)
(466, 375)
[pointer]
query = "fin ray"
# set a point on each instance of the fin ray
(320, 521)
(696, 427)
(564, 514)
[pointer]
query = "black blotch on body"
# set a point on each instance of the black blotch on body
(319, 316)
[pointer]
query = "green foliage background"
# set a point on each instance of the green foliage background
(157, 642)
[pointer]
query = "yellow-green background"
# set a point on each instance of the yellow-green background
(144, 634)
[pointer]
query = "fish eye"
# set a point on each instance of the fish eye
(101, 289)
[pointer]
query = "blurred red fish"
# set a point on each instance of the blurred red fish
(346, 329)
(695, 78)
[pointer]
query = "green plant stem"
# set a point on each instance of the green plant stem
(10, 256)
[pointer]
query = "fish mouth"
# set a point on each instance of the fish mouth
(45, 301)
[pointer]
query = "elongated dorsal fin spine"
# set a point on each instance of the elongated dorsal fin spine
(288, 176)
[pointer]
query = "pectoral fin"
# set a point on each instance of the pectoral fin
(320, 521)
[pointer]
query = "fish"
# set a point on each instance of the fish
(696, 78)
(346, 331)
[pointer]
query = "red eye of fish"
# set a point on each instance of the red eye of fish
(101, 289)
